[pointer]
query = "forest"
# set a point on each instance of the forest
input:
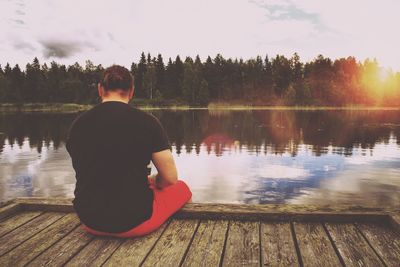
(256, 81)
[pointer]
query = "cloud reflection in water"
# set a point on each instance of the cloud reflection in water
(245, 177)
(236, 157)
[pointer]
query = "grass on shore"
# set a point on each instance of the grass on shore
(43, 107)
(311, 108)
(71, 107)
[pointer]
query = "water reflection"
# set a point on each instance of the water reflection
(301, 157)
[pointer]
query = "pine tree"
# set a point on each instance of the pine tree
(179, 70)
(16, 82)
(210, 76)
(3, 86)
(150, 77)
(34, 87)
(203, 96)
(188, 78)
(159, 75)
(134, 69)
(139, 77)
(297, 79)
(281, 74)
(267, 77)
(169, 79)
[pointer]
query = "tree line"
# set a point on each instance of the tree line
(256, 81)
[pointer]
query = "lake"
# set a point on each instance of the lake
(256, 156)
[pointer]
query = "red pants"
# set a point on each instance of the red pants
(165, 203)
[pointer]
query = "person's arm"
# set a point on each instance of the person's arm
(165, 165)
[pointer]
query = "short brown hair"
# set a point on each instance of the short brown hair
(116, 77)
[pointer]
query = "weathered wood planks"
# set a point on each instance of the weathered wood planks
(244, 212)
(14, 222)
(40, 242)
(315, 247)
(395, 220)
(26, 231)
(62, 251)
(208, 243)
(35, 237)
(170, 249)
(96, 252)
(353, 248)
(385, 242)
(277, 245)
(242, 244)
(134, 250)
(9, 210)
(46, 204)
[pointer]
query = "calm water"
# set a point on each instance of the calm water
(297, 157)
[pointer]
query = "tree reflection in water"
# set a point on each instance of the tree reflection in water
(259, 156)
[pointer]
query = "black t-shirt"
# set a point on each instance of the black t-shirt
(111, 146)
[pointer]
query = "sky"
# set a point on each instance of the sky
(116, 32)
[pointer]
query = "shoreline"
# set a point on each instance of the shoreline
(72, 108)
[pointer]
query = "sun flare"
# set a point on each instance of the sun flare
(383, 74)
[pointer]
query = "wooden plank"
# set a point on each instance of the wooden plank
(62, 251)
(44, 200)
(352, 246)
(277, 245)
(315, 247)
(7, 202)
(171, 247)
(31, 248)
(385, 242)
(208, 243)
(280, 212)
(16, 221)
(239, 208)
(395, 221)
(9, 210)
(251, 214)
(96, 252)
(242, 244)
(46, 204)
(244, 211)
(134, 250)
(19, 235)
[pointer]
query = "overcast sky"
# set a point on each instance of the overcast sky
(118, 31)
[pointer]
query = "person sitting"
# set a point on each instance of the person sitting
(111, 146)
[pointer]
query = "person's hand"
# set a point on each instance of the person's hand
(152, 179)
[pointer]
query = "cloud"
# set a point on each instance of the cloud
(19, 21)
(19, 12)
(287, 11)
(23, 45)
(64, 49)
(357, 186)
(59, 49)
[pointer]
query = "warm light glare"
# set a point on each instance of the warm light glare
(383, 74)
(380, 83)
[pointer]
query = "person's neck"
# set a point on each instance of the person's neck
(115, 98)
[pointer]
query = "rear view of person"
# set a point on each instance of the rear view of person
(111, 146)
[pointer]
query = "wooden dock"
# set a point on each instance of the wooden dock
(46, 232)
